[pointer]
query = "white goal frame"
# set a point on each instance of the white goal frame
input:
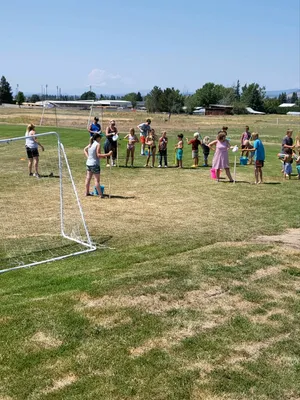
(88, 244)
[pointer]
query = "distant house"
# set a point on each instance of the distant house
(218, 109)
(287, 105)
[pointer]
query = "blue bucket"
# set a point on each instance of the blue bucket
(96, 191)
(243, 160)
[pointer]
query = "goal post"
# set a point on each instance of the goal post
(41, 218)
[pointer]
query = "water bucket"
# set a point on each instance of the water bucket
(96, 191)
(213, 173)
(243, 161)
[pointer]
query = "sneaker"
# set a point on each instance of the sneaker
(107, 165)
(31, 174)
(159, 166)
(166, 166)
(37, 175)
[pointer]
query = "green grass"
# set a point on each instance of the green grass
(185, 306)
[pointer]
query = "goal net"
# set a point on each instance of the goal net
(41, 219)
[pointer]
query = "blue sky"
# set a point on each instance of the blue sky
(118, 46)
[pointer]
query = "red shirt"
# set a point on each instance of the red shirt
(195, 144)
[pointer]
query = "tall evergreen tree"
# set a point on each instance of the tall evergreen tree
(237, 91)
(6, 95)
(282, 98)
(294, 97)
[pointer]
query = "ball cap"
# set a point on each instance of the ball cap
(196, 134)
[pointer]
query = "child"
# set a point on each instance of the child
(221, 158)
(179, 152)
(162, 149)
(259, 155)
(297, 159)
(93, 155)
(248, 146)
(151, 143)
(205, 150)
(195, 148)
(132, 140)
(287, 162)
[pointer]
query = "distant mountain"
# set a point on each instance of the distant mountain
(276, 93)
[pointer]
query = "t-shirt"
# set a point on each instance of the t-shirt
(93, 160)
(288, 141)
(145, 128)
(95, 128)
(259, 150)
(162, 143)
(195, 144)
(205, 148)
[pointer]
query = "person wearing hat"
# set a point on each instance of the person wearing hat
(195, 148)
(144, 129)
(95, 127)
(111, 143)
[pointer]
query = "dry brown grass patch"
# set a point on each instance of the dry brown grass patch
(43, 340)
(61, 383)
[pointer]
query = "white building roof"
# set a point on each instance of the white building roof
(287, 105)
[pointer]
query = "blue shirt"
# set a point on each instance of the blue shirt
(145, 128)
(259, 150)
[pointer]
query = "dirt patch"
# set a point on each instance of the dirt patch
(61, 383)
(253, 350)
(45, 341)
(289, 239)
(109, 321)
(157, 303)
(266, 272)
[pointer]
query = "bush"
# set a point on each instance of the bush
(239, 108)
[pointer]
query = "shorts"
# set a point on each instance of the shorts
(95, 169)
(179, 154)
(259, 163)
(195, 153)
(142, 139)
(243, 146)
(287, 168)
(32, 153)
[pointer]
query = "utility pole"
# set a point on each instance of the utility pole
(56, 92)
(46, 91)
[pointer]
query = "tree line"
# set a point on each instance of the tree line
(170, 100)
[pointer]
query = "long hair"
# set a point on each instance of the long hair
(94, 137)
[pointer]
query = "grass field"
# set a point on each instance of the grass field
(197, 297)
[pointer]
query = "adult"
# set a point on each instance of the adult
(221, 158)
(93, 155)
(144, 129)
(111, 143)
(32, 149)
(245, 137)
(95, 127)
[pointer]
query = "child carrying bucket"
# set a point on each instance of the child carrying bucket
(221, 158)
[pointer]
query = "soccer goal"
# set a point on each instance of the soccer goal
(41, 218)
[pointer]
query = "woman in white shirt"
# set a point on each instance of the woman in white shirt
(93, 155)
(32, 149)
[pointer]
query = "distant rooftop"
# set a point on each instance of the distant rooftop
(287, 105)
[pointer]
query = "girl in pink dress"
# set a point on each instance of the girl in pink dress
(221, 159)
